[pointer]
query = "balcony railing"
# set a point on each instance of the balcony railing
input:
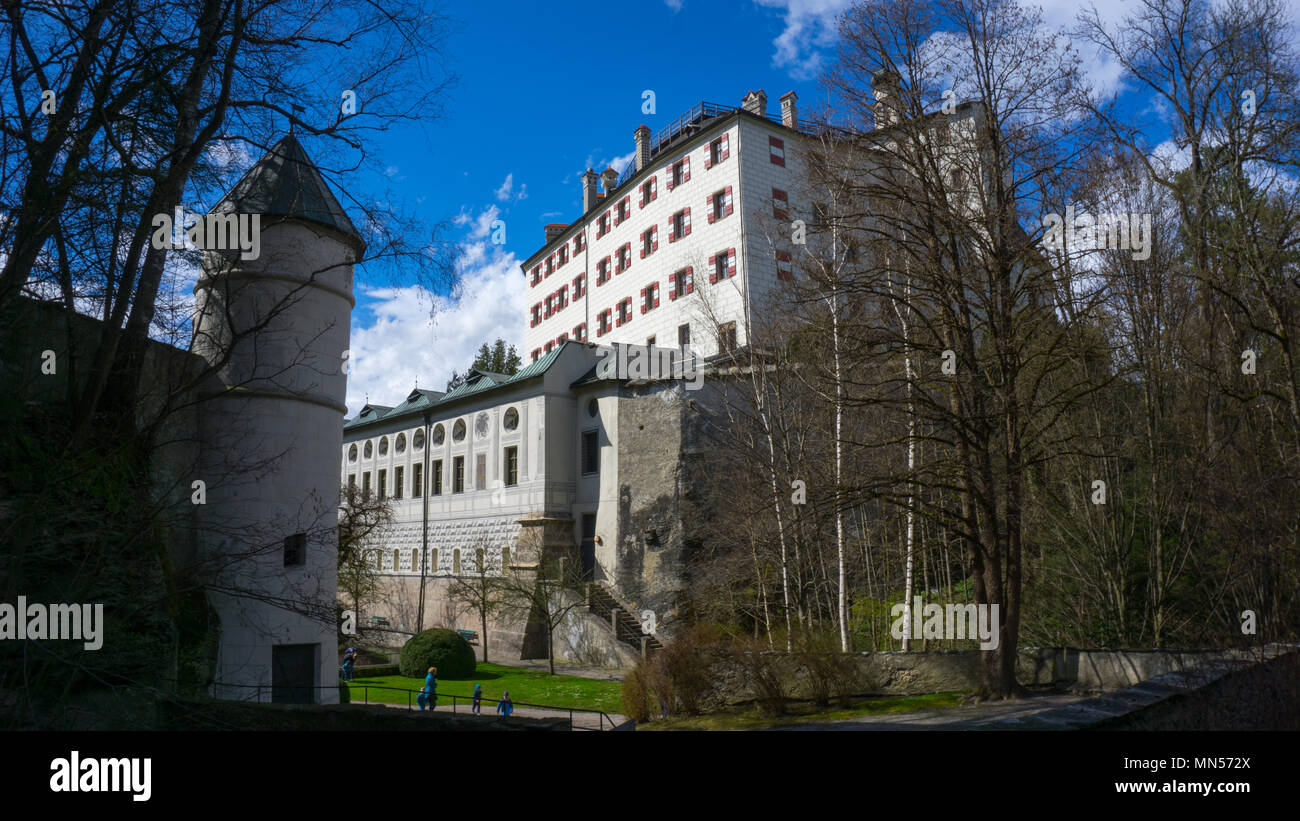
(695, 120)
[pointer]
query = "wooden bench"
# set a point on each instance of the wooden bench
(470, 636)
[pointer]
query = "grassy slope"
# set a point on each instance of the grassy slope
(532, 686)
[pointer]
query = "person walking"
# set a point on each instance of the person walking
(429, 693)
(348, 662)
(477, 708)
(505, 706)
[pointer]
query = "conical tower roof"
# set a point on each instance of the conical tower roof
(286, 183)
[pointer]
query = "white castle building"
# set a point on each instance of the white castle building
(679, 252)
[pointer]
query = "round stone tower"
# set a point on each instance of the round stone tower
(273, 306)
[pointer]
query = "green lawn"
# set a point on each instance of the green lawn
(532, 686)
(750, 718)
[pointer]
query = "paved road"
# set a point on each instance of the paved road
(993, 715)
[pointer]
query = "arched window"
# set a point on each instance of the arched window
(370, 449)
(478, 560)
(505, 558)
(455, 562)
(417, 440)
(383, 446)
(352, 453)
(401, 443)
(458, 431)
(511, 420)
(439, 435)
(415, 558)
(433, 560)
(397, 559)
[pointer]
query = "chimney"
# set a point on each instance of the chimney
(609, 180)
(755, 102)
(589, 190)
(887, 86)
(789, 112)
(553, 230)
(642, 135)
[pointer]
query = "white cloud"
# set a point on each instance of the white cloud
(675, 5)
(506, 192)
(809, 27)
(403, 343)
(616, 163)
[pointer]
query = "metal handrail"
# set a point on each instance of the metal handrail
(410, 703)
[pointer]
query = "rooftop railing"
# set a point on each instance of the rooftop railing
(696, 119)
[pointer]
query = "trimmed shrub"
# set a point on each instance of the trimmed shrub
(378, 670)
(441, 648)
(636, 696)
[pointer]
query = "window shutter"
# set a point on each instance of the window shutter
(672, 224)
(643, 239)
(731, 262)
(690, 280)
(656, 295)
(713, 269)
(654, 188)
(668, 177)
(654, 238)
(726, 148)
(686, 222)
(726, 201)
(708, 209)
(643, 300)
(672, 286)
(708, 156)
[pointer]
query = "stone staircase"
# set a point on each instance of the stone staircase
(603, 602)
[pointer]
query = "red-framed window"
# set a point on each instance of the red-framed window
(650, 297)
(780, 204)
(537, 276)
(720, 204)
(602, 271)
(624, 313)
(622, 211)
(603, 320)
(776, 151)
(536, 315)
(537, 353)
(681, 283)
(649, 191)
(602, 225)
(579, 285)
(784, 270)
(649, 241)
(580, 332)
(722, 265)
(577, 244)
(679, 225)
(678, 173)
(719, 150)
(624, 259)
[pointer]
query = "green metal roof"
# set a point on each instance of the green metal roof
(286, 183)
(485, 382)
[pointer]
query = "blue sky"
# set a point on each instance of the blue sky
(545, 91)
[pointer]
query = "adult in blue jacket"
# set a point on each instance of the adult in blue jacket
(429, 693)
